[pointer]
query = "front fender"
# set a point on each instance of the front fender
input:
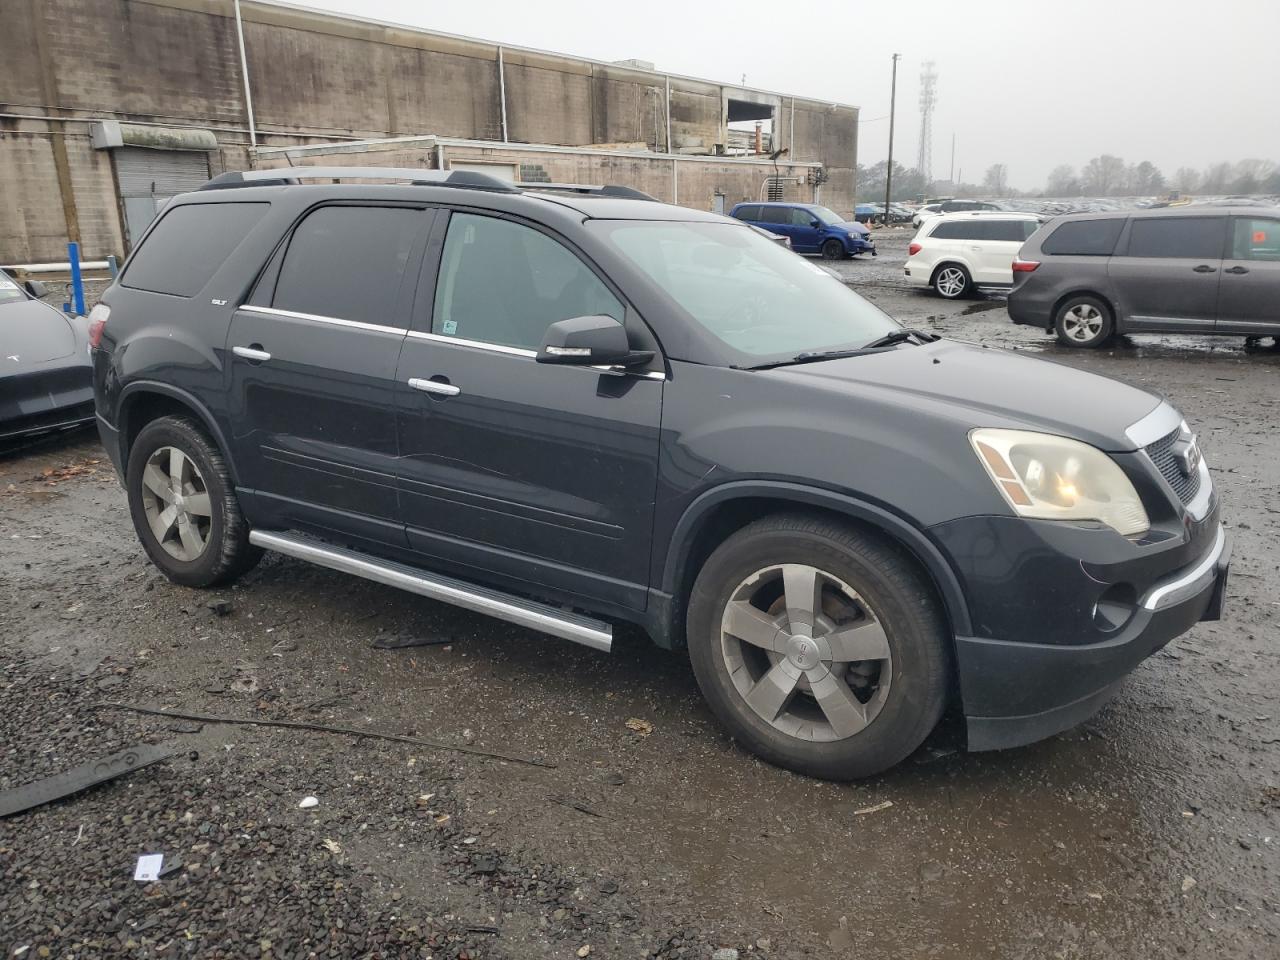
(892, 525)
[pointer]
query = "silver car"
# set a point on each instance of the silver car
(1200, 270)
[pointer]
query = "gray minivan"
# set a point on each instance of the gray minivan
(1200, 270)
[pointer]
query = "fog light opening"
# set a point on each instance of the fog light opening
(1115, 607)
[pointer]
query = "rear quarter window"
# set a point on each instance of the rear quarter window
(747, 213)
(184, 250)
(1084, 238)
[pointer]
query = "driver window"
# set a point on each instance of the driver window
(504, 283)
(801, 218)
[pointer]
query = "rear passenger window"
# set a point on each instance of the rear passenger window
(188, 245)
(747, 213)
(1084, 238)
(504, 283)
(775, 214)
(347, 262)
(1255, 239)
(1190, 238)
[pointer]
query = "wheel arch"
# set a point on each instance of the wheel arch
(719, 512)
(144, 401)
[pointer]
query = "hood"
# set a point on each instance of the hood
(35, 333)
(983, 387)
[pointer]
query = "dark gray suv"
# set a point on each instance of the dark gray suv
(568, 408)
(1174, 270)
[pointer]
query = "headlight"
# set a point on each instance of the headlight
(1054, 478)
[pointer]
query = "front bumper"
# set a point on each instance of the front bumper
(856, 246)
(45, 399)
(1015, 693)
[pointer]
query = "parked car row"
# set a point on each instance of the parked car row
(651, 414)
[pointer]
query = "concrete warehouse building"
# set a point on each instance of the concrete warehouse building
(109, 107)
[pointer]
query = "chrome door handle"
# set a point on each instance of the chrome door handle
(435, 386)
(251, 353)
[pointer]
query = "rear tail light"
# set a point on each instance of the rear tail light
(1025, 266)
(913, 249)
(97, 321)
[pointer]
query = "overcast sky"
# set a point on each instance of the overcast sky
(1031, 84)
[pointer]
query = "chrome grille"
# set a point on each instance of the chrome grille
(1162, 455)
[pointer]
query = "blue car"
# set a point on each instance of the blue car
(810, 227)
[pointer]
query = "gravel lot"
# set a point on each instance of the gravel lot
(1153, 831)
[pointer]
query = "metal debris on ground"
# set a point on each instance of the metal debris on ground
(148, 868)
(579, 806)
(403, 641)
(323, 728)
(883, 805)
(82, 777)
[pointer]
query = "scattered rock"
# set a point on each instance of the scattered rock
(306, 803)
(641, 727)
(220, 608)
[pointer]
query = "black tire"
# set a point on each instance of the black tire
(833, 250)
(1074, 322)
(905, 605)
(951, 281)
(227, 553)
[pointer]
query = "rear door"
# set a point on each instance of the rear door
(312, 361)
(1249, 293)
(1166, 271)
(778, 220)
(529, 473)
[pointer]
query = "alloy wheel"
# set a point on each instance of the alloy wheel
(806, 652)
(951, 282)
(1082, 323)
(176, 502)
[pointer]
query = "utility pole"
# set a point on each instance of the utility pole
(953, 161)
(888, 170)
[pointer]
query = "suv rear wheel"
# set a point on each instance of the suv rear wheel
(822, 649)
(951, 281)
(1083, 321)
(184, 505)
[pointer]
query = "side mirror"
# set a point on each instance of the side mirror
(815, 222)
(37, 289)
(590, 342)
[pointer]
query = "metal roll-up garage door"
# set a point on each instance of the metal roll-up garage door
(148, 178)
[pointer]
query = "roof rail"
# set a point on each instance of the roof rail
(606, 190)
(419, 177)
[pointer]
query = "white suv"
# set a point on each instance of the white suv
(958, 252)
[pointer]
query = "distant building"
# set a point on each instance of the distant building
(109, 107)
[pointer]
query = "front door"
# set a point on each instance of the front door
(524, 472)
(312, 362)
(805, 236)
(1167, 276)
(1249, 294)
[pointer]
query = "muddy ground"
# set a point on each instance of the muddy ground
(1152, 831)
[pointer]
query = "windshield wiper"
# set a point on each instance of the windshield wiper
(809, 356)
(901, 336)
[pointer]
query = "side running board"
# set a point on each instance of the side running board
(526, 613)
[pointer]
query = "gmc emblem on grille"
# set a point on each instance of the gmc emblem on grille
(1187, 452)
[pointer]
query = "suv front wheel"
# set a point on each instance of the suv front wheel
(184, 506)
(822, 649)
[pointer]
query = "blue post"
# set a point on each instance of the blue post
(113, 267)
(77, 284)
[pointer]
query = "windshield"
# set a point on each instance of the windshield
(826, 216)
(762, 301)
(9, 291)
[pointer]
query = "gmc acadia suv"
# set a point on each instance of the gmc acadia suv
(569, 406)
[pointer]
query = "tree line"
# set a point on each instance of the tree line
(1103, 176)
